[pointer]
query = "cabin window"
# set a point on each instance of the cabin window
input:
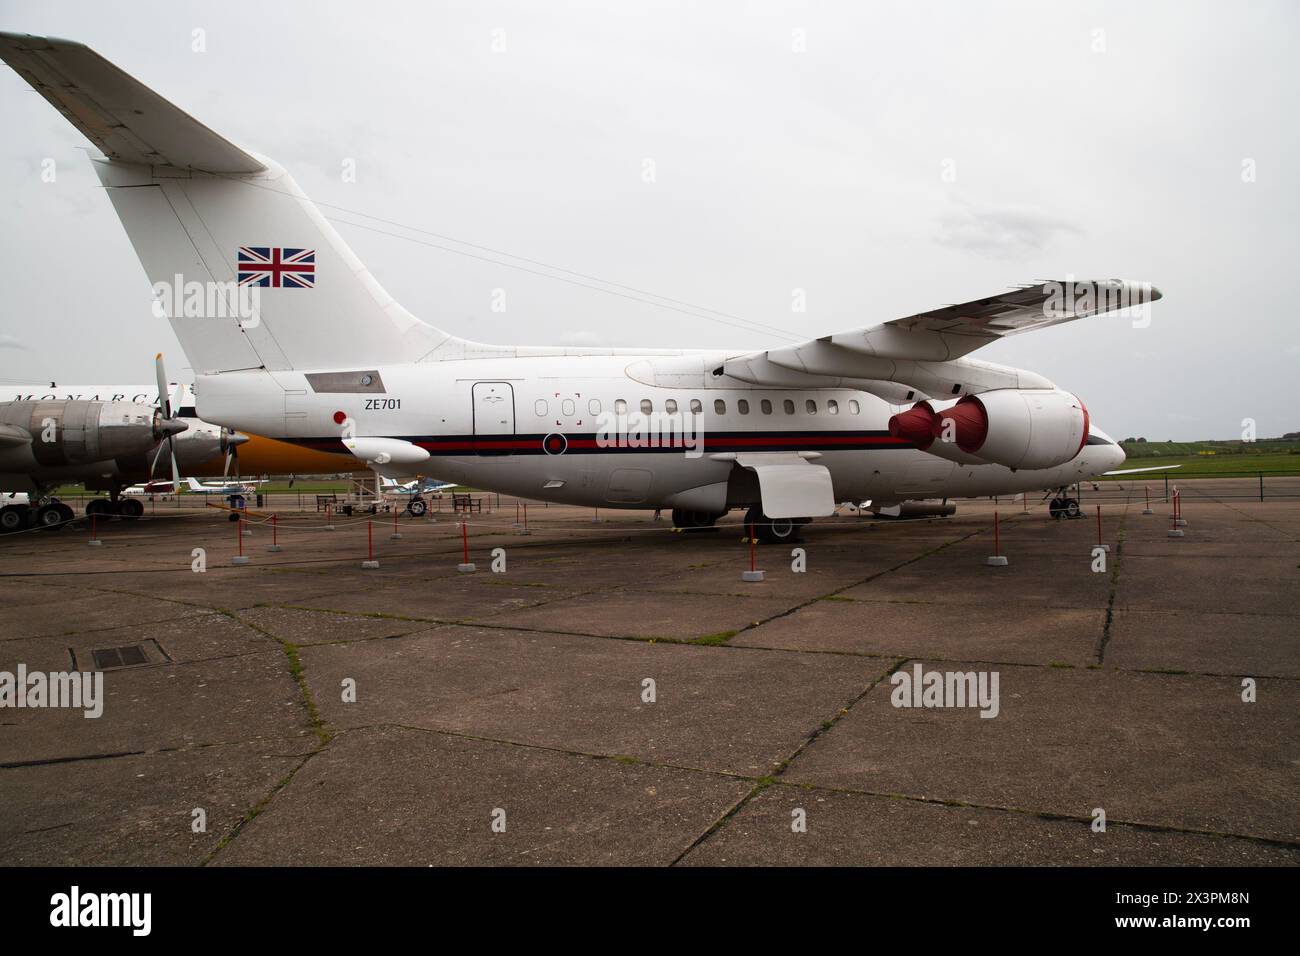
(568, 407)
(620, 407)
(742, 406)
(810, 407)
(593, 406)
(832, 407)
(696, 406)
(853, 406)
(788, 405)
(540, 407)
(720, 406)
(766, 406)
(670, 406)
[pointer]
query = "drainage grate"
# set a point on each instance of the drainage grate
(109, 657)
(144, 652)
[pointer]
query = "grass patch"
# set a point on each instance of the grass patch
(714, 640)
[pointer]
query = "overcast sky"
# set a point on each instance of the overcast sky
(884, 158)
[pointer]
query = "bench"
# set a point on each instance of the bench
(466, 503)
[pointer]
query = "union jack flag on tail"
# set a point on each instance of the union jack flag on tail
(272, 267)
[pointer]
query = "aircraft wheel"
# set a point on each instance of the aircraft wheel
(1072, 508)
(130, 508)
(772, 530)
(13, 517)
(689, 520)
(99, 506)
(66, 513)
(417, 507)
(693, 520)
(1057, 508)
(49, 518)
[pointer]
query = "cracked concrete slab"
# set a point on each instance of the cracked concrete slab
(714, 708)
(853, 829)
(402, 797)
(1147, 748)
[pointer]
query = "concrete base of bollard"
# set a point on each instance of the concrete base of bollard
(1181, 522)
(523, 531)
(751, 576)
(1176, 533)
(275, 547)
(369, 565)
(997, 561)
(95, 543)
(466, 568)
(395, 535)
(1147, 511)
(240, 559)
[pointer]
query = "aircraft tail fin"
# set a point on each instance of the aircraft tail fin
(243, 264)
(194, 484)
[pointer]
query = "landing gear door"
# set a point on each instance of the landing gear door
(790, 486)
(494, 412)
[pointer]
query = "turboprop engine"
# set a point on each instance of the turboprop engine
(1018, 428)
(50, 434)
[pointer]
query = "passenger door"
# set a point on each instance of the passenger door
(494, 412)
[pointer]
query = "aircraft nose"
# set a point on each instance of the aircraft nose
(1117, 456)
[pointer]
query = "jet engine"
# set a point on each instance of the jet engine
(916, 425)
(1017, 428)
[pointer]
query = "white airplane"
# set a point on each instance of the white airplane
(414, 491)
(416, 486)
(892, 412)
(245, 486)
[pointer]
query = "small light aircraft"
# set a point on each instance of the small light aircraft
(414, 491)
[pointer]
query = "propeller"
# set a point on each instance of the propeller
(170, 424)
(230, 441)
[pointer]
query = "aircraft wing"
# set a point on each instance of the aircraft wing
(911, 351)
(119, 114)
(1138, 471)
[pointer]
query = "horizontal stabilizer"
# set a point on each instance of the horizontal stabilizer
(128, 121)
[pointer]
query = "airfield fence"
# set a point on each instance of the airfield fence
(1255, 486)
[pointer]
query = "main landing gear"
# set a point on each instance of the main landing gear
(773, 530)
(49, 516)
(115, 505)
(417, 507)
(1063, 507)
(694, 520)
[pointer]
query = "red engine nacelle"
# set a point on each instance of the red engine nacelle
(1018, 428)
(916, 425)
